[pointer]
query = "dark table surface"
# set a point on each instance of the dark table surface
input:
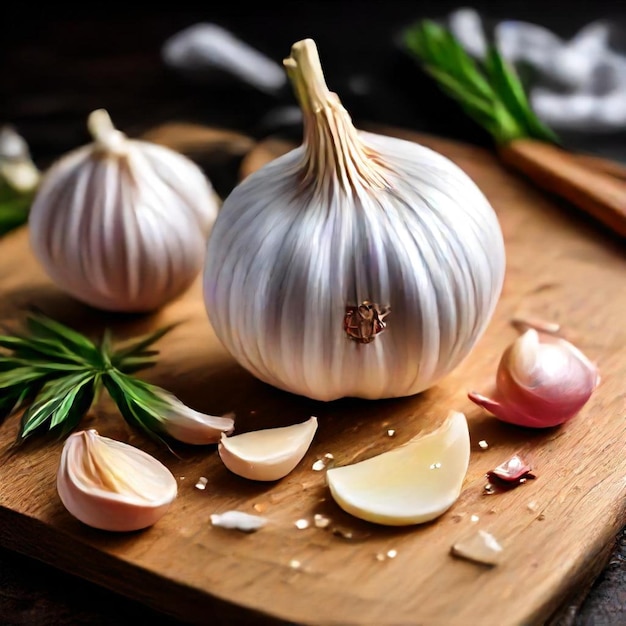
(59, 63)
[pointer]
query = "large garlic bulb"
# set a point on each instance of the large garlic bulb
(355, 265)
(121, 224)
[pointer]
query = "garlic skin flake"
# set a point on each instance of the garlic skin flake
(356, 265)
(481, 547)
(412, 484)
(245, 522)
(111, 485)
(268, 454)
(541, 381)
(121, 224)
(189, 426)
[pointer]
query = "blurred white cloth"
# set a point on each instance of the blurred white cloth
(580, 83)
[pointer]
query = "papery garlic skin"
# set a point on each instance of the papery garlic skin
(121, 224)
(111, 485)
(542, 381)
(190, 426)
(348, 217)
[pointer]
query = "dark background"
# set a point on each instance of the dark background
(58, 63)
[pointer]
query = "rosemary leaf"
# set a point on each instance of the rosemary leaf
(69, 340)
(125, 357)
(60, 401)
(137, 402)
(490, 92)
(34, 348)
(12, 399)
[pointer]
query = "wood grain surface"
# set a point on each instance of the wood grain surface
(556, 530)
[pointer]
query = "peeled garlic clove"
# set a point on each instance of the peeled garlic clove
(111, 485)
(268, 454)
(121, 224)
(480, 547)
(190, 426)
(381, 260)
(542, 381)
(412, 484)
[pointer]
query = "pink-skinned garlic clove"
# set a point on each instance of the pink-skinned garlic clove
(111, 485)
(542, 381)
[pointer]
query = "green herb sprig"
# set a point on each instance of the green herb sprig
(14, 208)
(57, 372)
(489, 91)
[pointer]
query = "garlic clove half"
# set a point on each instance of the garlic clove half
(268, 454)
(121, 223)
(111, 485)
(542, 381)
(412, 484)
(187, 425)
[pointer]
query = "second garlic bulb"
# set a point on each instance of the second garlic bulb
(121, 223)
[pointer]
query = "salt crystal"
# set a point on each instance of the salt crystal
(392, 554)
(321, 521)
(532, 506)
(319, 465)
(483, 444)
(329, 456)
(202, 481)
(295, 564)
(391, 432)
(435, 466)
(489, 488)
(380, 557)
(301, 524)
(474, 518)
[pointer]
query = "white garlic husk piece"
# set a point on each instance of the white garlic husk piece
(121, 224)
(189, 426)
(355, 265)
(17, 168)
(111, 485)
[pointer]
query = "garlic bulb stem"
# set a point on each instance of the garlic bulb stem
(330, 138)
(104, 133)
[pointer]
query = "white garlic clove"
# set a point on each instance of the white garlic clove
(542, 381)
(480, 547)
(412, 484)
(17, 168)
(190, 426)
(120, 223)
(111, 485)
(268, 454)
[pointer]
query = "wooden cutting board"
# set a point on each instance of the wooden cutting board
(556, 530)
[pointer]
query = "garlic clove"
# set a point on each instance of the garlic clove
(190, 426)
(412, 484)
(111, 485)
(480, 547)
(542, 381)
(268, 454)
